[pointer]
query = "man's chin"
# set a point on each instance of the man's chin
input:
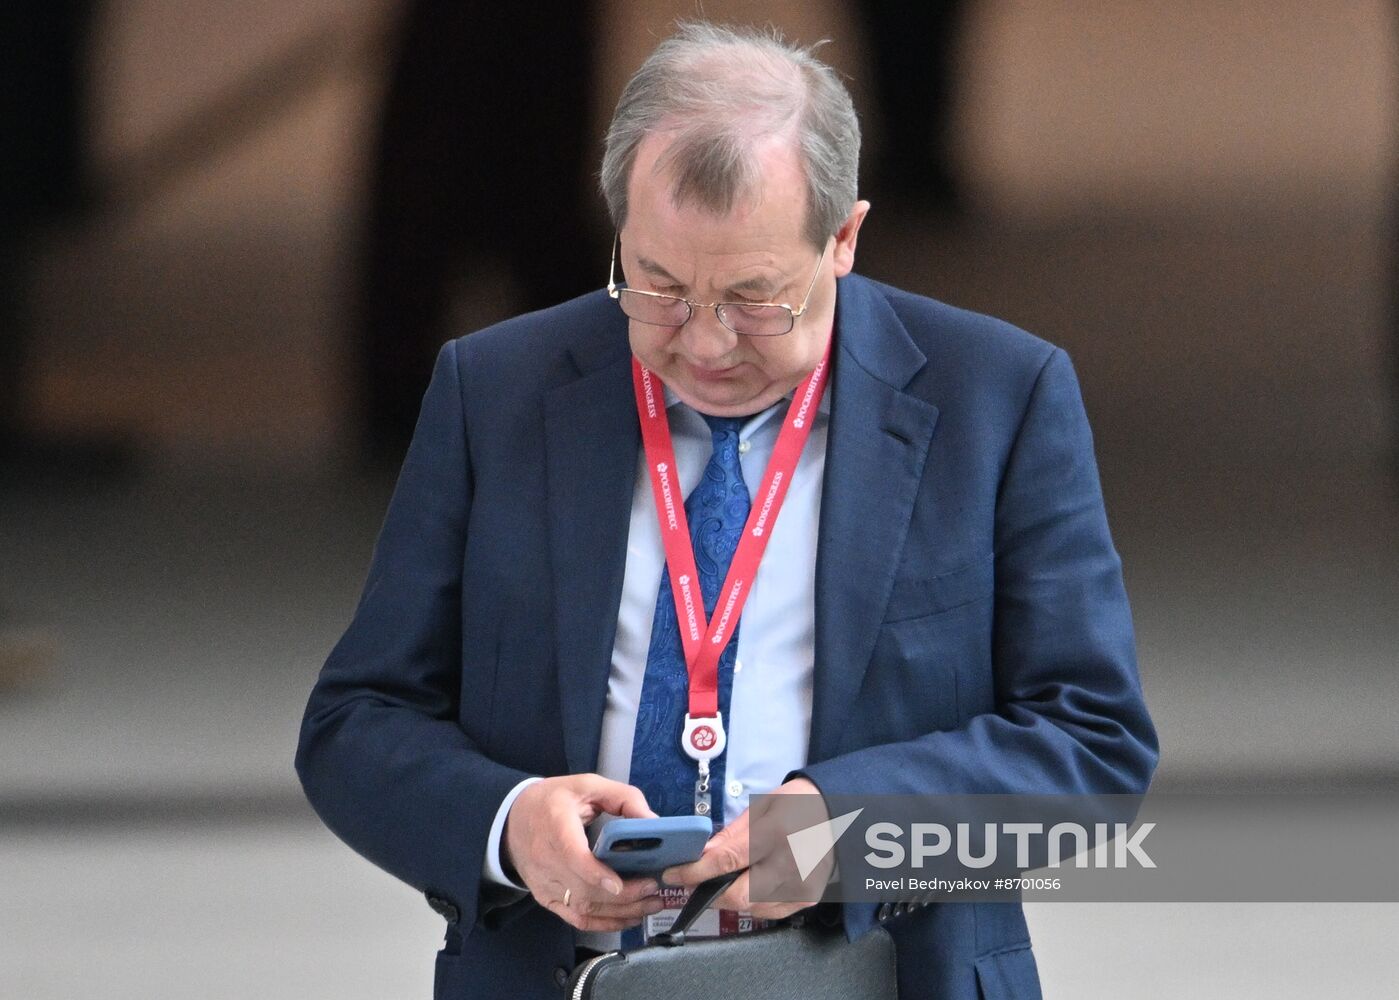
(720, 399)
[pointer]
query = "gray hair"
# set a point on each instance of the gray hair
(720, 91)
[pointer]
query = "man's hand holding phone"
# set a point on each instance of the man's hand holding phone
(546, 842)
(728, 851)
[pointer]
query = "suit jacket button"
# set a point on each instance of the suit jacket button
(882, 914)
(560, 976)
(444, 908)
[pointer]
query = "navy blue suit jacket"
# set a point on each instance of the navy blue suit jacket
(972, 632)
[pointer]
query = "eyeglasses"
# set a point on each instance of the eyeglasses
(747, 319)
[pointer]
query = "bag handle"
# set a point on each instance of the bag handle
(700, 900)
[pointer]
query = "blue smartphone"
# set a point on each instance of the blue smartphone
(634, 847)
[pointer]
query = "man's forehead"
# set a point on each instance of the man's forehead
(774, 200)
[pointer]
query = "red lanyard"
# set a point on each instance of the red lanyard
(703, 640)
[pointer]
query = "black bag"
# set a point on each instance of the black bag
(804, 960)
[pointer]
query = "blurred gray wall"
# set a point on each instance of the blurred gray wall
(209, 314)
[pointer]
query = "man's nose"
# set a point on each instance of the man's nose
(706, 339)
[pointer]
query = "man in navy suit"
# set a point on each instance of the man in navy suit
(939, 608)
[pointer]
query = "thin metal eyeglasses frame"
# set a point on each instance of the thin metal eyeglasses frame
(793, 314)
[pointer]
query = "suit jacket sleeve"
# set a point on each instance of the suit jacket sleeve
(382, 757)
(1069, 715)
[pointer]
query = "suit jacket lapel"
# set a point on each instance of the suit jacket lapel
(875, 453)
(592, 439)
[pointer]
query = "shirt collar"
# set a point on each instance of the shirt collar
(752, 423)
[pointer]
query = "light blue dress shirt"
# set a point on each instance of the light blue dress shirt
(770, 711)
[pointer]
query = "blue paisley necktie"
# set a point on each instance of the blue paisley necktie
(716, 509)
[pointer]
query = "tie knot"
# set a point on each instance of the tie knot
(722, 427)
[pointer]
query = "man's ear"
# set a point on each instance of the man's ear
(846, 235)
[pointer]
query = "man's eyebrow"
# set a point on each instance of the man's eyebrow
(757, 285)
(656, 271)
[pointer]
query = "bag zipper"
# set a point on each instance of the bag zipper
(586, 970)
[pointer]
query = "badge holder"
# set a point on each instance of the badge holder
(703, 739)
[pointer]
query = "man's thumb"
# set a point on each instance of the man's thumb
(622, 800)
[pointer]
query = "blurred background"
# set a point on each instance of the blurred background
(235, 234)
